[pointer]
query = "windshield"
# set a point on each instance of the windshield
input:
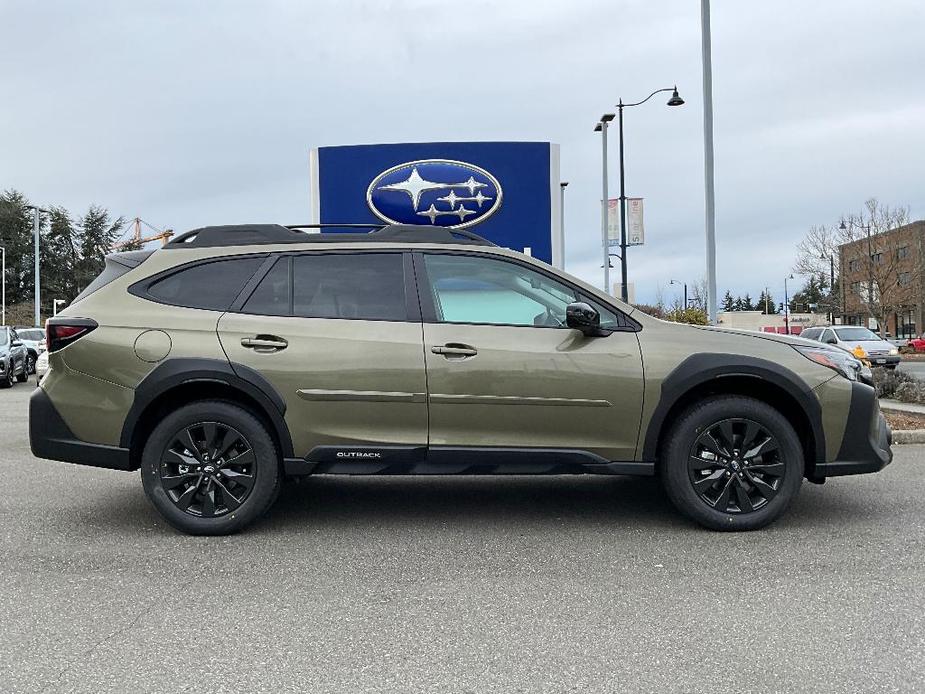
(33, 334)
(857, 335)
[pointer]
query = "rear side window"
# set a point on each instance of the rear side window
(361, 286)
(212, 285)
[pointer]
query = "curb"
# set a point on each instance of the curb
(909, 436)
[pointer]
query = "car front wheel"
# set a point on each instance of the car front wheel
(732, 463)
(210, 468)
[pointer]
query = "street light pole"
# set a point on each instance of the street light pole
(38, 290)
(709, 201)
(601, 127)
(675, 100)
(787, 306)
(562, 186)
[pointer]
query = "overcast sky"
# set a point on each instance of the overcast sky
(192, 113)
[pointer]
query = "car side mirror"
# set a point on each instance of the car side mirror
(584, 317)
(831, 341)
(17, 343)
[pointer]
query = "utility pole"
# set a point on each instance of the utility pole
(2, 248)
(710, 209)
(766, 300)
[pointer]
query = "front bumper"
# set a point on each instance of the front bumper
(50, 437)
(865, 446)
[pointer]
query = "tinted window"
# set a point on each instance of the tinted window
(3, 334)
(33, 334)
(367, 286)
(812, 334)
(467, 289)
(210, 285)
(271, 298)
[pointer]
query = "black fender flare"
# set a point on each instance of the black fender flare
(699, 369)
(181, 371)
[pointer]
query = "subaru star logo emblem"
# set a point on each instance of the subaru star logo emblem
(441, 192)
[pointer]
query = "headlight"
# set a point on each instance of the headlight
(835, 359)
(894, 352)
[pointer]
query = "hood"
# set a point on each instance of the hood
(868, 345)
(771, 337)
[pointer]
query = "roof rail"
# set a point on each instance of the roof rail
(265, 234)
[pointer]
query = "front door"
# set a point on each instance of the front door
(335, 334)
(503, 370)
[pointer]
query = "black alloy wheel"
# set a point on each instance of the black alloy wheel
(30, 364)
(735, 466)
(208, 469)
(731, 462)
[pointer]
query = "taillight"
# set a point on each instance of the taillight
(60, 332)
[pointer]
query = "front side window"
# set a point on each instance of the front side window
(3, 337)
(211, 286)
(469, 289)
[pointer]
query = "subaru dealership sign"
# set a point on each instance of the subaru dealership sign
(507, 192)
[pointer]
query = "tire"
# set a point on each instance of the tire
(696, 479)
(228, 497)
(24, 376)
(30, 363)
(6, 380)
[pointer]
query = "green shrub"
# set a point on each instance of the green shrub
(886, 381)
(694, 316)
(911, 391)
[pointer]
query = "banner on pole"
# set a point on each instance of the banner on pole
(636, 235)
(613, 223)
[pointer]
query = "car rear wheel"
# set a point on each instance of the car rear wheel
(23, 376)
(732, 463)
(6, 381)
(210, 468)
(30, 364)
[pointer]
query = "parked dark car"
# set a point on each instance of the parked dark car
(13, 358)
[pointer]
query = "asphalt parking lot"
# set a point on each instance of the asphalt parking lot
(553, 584)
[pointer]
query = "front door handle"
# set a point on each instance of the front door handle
(264, 343)
(453, 350)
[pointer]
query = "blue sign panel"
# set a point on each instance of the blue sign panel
(507, 192)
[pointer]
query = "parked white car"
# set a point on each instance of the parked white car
(861, 342)
(34, 340)
(41, 367)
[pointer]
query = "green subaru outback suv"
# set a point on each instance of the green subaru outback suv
(236, 356)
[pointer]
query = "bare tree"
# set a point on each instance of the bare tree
(699, 294)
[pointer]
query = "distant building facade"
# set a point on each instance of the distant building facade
(770, 323)
(888, 267)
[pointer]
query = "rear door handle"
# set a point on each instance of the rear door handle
(264, 343)
(453, 350)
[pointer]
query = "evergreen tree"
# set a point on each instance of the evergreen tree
(747, 303)
(16, 237)
(728, 303)
(97, 233)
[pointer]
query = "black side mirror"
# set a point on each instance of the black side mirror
(17, 343)
(831, 341)
(584, 317)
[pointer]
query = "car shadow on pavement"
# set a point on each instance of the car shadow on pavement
(334, 500)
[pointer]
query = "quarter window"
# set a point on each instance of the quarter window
(212, 285)
(274, 294)
(467, 289)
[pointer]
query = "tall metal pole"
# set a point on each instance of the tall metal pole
(4, 285)
(685, 296)
(624, 291)
(38, 291)
(786, 308)
(604, 207)
(708, 158)
(562, 223)
(832, 288)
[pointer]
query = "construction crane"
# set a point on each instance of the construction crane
(138, 239)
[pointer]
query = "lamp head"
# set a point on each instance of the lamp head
(607, 117)
(675, 100)
(597, 128)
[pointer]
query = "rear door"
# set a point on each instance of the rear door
(339, 337)
(503, 370)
